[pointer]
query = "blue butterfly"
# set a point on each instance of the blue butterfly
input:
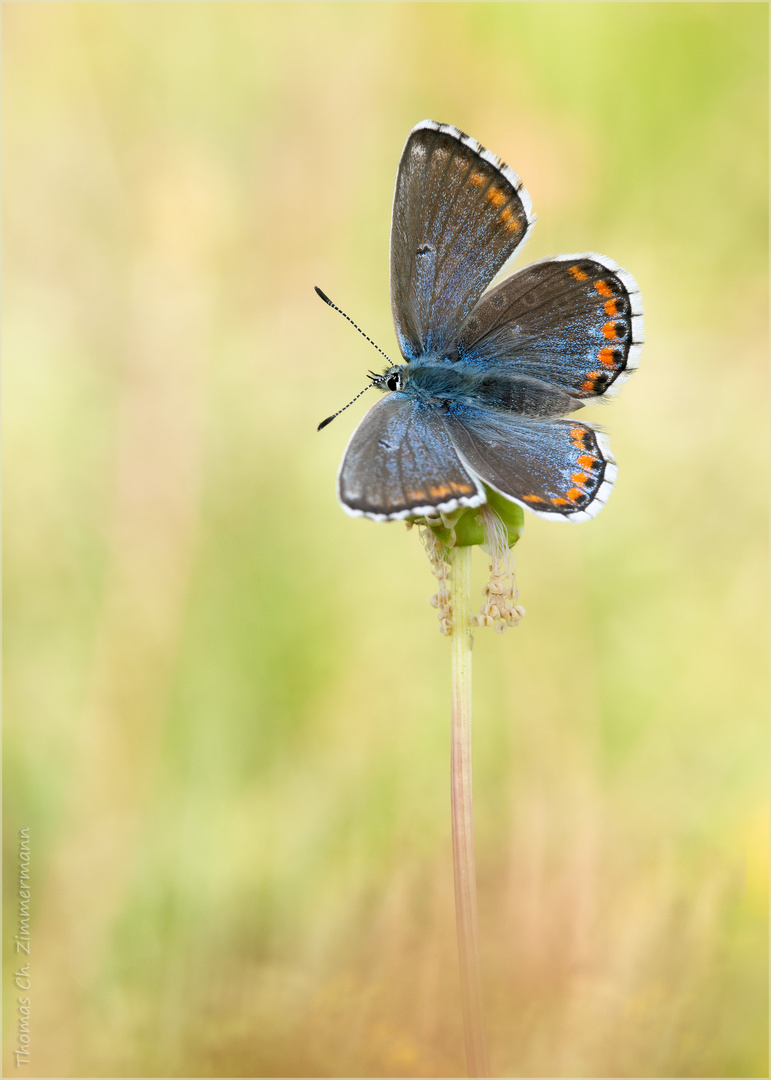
(488, 378)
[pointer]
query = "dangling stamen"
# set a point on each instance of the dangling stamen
(500, 607)
(440, 568)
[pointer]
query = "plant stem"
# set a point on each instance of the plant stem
(463, 817)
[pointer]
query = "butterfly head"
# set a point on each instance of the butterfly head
(393, 378)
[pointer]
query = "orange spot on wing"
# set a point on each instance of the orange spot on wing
(609, 331)
(574, 493)
(585, 461)
(611, 307)
(560, 502)
(579, 478)
(603, 288)
(477, 179)
(416, 495)
(577, 273)
(607, 357)
(507, 218)
(533, 498)
(588, 383)
(496, 196)
(439, 491)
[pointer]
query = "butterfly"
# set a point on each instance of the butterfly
(490, 379)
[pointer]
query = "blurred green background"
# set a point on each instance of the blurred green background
(227, 703)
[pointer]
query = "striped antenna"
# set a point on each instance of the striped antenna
(376, 379)
(326, 300)
(329, 419)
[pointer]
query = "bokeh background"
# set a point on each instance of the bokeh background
(227, 703)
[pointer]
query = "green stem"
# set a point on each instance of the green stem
(463, 818)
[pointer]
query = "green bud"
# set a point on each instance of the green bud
(465, 528)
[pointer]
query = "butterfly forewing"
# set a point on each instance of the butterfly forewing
(575, 322)
(458, 215)
(401, 463)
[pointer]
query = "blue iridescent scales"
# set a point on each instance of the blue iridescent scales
(489, 378)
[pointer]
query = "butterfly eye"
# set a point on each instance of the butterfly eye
(392, 382)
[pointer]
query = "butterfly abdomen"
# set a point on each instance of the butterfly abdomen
(525, 396)
(519, 394)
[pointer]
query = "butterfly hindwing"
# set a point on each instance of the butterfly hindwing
(574, 321)
(559, 469)
(401, 463)
(459, 213)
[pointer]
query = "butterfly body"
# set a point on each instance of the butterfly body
(453, 387)
(490, 378)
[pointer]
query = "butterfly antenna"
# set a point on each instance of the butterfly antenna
(375, 378)
(326, 300)
(329, 419)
